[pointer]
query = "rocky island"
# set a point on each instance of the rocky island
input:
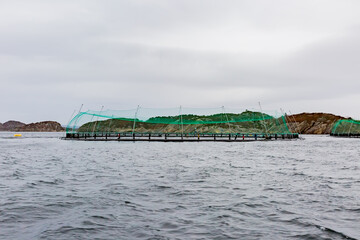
(45, 126)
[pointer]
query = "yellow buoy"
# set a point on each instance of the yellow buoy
(17, 135)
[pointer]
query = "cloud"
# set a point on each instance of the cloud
(56, 55)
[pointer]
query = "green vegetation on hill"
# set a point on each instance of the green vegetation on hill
(246, 122)
(346, 126)
(215, 118)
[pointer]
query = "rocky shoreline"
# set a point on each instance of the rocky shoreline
(45, 126)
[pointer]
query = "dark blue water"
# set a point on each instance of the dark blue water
(55, 189)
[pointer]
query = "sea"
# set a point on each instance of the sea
(288, 189)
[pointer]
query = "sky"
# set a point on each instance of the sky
(299, 55)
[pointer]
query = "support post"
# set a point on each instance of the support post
(296, 125)
(350, 128)
(77, 118)
(266, 131)
(227, 119)
(133, 130)
(110, 122)
(182, 124)
(102, 107)
(67, 125)
(285, 119)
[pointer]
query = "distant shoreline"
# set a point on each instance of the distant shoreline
(45, 126)
(303, 123)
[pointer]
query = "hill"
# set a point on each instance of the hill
(11, 125)
(312, 123)
(303, 123)
(46, 126)
(244, 122)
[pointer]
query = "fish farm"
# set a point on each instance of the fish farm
(346, 128)
(178, 125)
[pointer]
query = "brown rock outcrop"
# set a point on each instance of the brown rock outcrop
(47, 126)
(11, 125)
(312, 123)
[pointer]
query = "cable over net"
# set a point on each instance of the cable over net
(179, 120)
(346, 127)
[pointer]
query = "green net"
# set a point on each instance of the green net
(179, 120)
(346, 127)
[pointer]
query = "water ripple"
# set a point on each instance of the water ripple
(53, 189)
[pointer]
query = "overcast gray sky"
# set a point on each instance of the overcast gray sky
(296, 55)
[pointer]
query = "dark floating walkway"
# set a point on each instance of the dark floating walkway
(345, 135)
(177, 137)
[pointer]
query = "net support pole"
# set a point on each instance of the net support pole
(350, 128)
(97, 118)
(286, 120)
(92, 117)
(296, 125)
(98, 123)
(67, 125)
(78, 114)
(136, 113)
(110, 121)
(266, 131)
(182, 124)
(227, 119)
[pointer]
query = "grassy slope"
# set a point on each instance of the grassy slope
(172, 124)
